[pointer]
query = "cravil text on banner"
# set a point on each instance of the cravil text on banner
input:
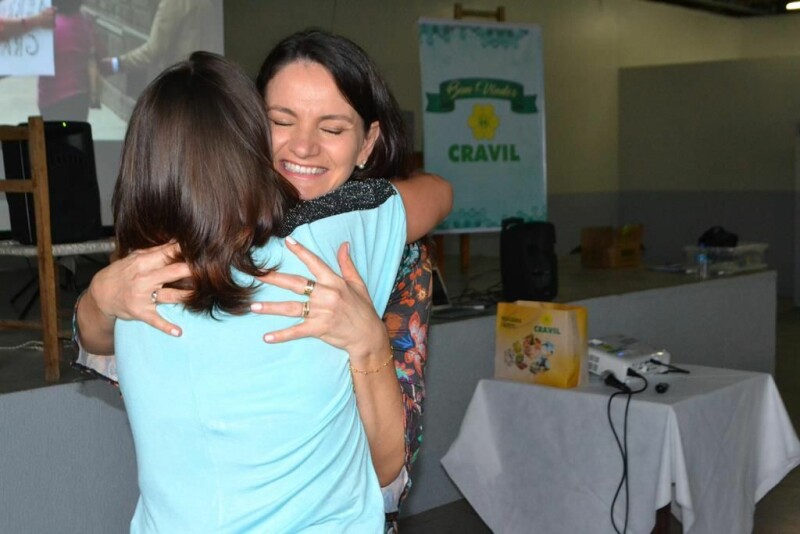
(483, 122)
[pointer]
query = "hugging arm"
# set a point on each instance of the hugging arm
(123, 290)
(344, 316)
(427, 199)
(405, 322)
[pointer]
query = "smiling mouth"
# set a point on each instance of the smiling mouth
(302, 169)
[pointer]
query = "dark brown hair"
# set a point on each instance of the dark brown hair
(196, 169)
(362, 86)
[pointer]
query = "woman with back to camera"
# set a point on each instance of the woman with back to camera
(233, 435)
(341, 68)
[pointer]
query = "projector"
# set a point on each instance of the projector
(619, 353)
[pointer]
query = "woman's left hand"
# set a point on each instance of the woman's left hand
(340, 311)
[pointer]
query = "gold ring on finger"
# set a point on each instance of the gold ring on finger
(310, 285)
(306, 309)
(154, 296)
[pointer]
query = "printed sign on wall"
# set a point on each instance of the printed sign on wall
(29, 54)
(483, 120)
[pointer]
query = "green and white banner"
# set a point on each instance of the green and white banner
(483, 120)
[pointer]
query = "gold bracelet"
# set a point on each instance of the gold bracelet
(378, 370)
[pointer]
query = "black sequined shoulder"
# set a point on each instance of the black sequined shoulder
(353, 195)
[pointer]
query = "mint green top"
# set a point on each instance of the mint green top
(236, 435)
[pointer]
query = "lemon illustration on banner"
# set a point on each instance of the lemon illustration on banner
(483, 121)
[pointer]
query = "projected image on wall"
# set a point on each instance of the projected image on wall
(88, 60)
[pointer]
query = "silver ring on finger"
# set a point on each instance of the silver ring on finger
(306, 309)
(154, 296)
(310, 285)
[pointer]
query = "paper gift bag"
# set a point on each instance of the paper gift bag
(541, 343)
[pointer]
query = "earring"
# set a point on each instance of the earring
(361, 166)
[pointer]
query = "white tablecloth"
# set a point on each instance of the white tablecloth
(539, 459)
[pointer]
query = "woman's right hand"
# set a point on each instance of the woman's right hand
(126, 287)
(341, 312)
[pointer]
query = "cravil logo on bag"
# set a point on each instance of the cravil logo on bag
(541, 343)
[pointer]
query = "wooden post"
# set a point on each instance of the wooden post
(438, 241)
(464, 252)
(48, 292)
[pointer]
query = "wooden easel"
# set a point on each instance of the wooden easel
(498, 14)
(33, 133)
(459, 12)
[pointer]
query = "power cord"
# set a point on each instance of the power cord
(624, 389)
(670, 368)
(488, 296)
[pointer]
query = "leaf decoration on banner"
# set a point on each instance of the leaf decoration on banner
(488, 37)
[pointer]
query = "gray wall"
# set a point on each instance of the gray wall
(67, 463)
(712, 144)
(568, 212)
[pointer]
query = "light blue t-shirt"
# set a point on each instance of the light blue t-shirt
(236, 435)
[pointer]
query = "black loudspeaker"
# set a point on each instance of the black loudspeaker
(528, 261)
(72, 181)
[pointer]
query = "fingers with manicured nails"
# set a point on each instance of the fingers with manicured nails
(349, 271)
(168, 295)
(288, 334)
(158, 256)
(173, 272)
(317, 267)
(156, 321)
(287, 309)
(292, 282)
(123, 289)
(342, 313)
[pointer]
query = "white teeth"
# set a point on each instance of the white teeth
(300, 169)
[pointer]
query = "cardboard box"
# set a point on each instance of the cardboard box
(606, 247)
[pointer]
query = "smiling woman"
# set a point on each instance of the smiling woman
(317, 136)
(333, 119)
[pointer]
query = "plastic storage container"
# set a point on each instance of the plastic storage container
(728, 260)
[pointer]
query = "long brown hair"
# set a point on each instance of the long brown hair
(196, 168)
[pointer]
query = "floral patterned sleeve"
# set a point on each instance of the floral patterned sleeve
(406, 319)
